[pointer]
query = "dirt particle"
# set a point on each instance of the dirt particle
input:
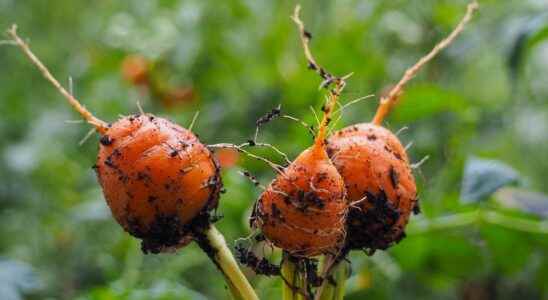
(152, 199)
(259, 265)
(105, 140)
(373, 228)
(416, 207)
(276, 212)
(123, 178)
(275, 112)
(174, 153)
(394, 177)
(142, 176)
(313, 199)
(109, 162)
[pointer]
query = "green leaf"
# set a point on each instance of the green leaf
(524, 200)
(532, 33)
(482, 177)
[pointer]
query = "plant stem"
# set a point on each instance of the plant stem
(214, 244)
(289, 279)
(325, 291)
(299, 279)
(391, 99)
(478, 217)
(341, 274)
(101, 126)
(330, 291)
(444, 222)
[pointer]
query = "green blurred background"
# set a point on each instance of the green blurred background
(479, 111)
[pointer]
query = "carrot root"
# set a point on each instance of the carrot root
(327, 77)
(99, 125)
(388, 102)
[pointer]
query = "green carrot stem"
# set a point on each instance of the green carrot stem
(289, 279)
(327, 289)
(214, 244)
(338, 272)
(341, 274)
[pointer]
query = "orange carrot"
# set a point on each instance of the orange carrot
(157, 177)
(303, 210)
(379, 182)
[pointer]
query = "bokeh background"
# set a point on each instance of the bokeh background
(479, 111)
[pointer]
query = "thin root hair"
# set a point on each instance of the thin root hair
(86, 137)
(100, 126)
(141, 111)
(194, 118)
(278, 168)
(309, 128)
(408, 146)
(327, 77)
(252, 178)
(401, 130)
(418, 164)
(386, 103)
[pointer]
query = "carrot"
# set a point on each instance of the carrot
(157, 177)
(376, 169)
(303, 210)
(379, 183)
(159, 181)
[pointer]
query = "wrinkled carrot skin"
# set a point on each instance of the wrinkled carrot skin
(375, 169)
(156, 177)
(302, 211)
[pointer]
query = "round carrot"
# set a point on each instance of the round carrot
(379, 183)
(156, 177)
(302, 211)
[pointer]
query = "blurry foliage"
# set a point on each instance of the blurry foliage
(243, 58)
(483, 177)
(16, 279)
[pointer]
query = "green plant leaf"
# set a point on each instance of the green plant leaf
(532, 33)
(524, 200)
(483, 177)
